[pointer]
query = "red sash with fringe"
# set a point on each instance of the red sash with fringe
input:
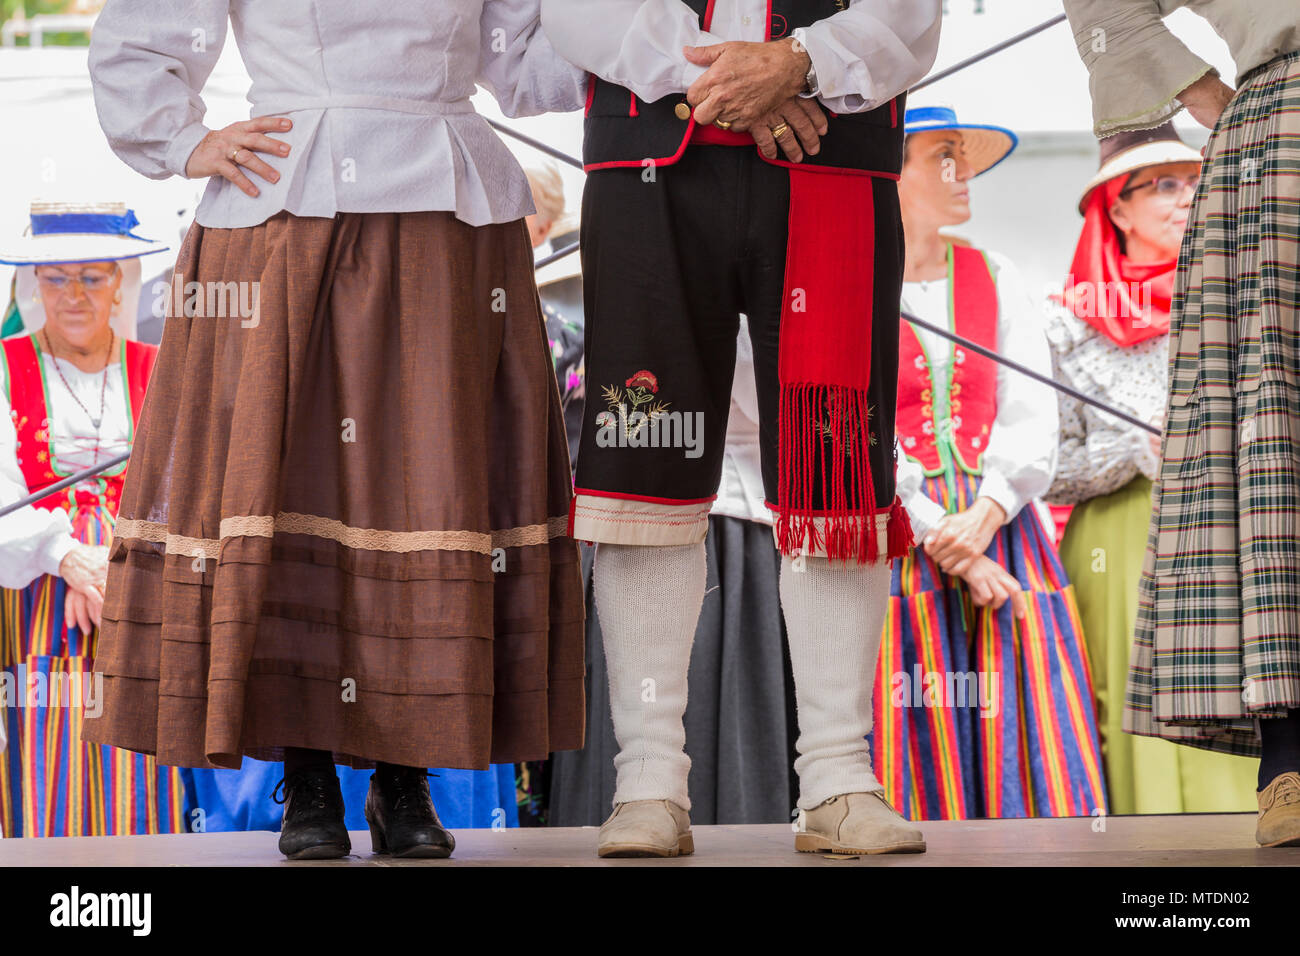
(824, 369)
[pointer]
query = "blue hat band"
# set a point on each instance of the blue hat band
(79, 223)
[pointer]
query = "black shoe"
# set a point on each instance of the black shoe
(313, 826)
(401, 815)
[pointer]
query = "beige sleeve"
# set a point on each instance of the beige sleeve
(1136, 66)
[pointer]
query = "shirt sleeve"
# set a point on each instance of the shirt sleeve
(520, 67)
(149, 60)
(33, 541)
(1136, 66)
(1021, 456)
(633, 43)
(922, 510)
(866, 55)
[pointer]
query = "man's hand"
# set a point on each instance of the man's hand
(991, 586)
(957, 540)
(805, 125)
(745, 82)
(228, 152)
(1206, 99)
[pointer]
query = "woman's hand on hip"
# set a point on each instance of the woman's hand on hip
(1206, 99)
(228, 152)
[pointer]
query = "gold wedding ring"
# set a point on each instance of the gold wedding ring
(233, 153)
(779, 131)
(722, 124)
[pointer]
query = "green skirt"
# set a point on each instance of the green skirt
(1102, 552)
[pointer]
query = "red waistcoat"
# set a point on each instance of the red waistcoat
(973, 384)
(27, 390)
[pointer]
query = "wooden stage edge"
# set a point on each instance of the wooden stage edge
(1184, 840)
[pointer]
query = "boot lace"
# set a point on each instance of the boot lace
(313, 789)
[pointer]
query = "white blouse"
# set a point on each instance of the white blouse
(863, 55)
(1100, 453)
(33, 540)
(1021, 456)
(378, 93)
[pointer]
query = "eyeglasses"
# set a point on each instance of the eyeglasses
(1167, 187)
(90, 281)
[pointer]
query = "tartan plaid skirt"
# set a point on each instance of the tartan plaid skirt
(1217, 641)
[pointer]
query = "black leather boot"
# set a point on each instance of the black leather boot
(402, 819)
(313, 826)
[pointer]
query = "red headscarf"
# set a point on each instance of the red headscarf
(1126, 301)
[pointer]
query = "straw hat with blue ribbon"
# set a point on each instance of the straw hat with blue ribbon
(64, 233)
(985, 146)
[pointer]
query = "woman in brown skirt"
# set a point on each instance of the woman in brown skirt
(342, 539)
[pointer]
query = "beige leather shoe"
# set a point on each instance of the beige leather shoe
(646, 828)
(1279, 812)
(856, 823)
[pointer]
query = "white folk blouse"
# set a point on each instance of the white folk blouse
(33, 540)
(1100, 453)
(1138, 67)
(1021, 456)
(863, 55)
(379, 95)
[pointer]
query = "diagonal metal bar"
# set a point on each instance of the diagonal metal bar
(1046, 380)
(64, 483)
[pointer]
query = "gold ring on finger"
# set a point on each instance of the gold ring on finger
(722, 124)
(234, 153)
(779, 131)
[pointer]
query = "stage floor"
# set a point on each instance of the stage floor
(1188, 840)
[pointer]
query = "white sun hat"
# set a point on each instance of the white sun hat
(67, 232)
(72, 232)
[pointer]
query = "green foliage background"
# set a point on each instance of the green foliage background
(32, 7)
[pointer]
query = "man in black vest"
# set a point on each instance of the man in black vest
(743, 158)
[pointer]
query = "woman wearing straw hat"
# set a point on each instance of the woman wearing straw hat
(984, 703)
(71, 391)
(1110, 339)
(343, 538)
(1216, 657)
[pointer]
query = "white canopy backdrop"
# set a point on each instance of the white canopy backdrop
(1024, 208)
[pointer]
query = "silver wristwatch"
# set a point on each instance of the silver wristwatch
(810, 78)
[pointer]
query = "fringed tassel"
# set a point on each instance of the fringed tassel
(901, 538)
(826, 441)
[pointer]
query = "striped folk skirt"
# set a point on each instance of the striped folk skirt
(51, 783)
(1217, 640)
(343, 527)
(977, 714)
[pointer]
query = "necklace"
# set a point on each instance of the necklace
(103, 388)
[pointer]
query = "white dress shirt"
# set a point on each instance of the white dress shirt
(740, 492)
(33, 541)
(864, 55)
(378, 93)
(1021, 456)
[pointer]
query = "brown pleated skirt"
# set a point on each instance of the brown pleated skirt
(344, 523)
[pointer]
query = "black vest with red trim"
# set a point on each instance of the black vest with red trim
(32, 422)
(621, 129)
(973, 385)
